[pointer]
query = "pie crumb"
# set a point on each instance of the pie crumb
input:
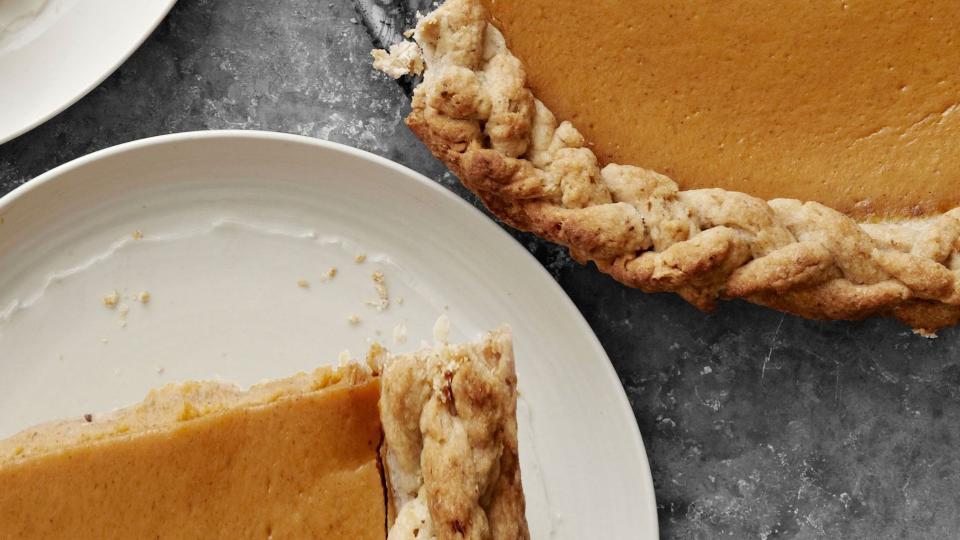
(441, 329)
(144, 297)
(137, 234)
(383, 298)
(330, 274)
(88, 417)
(400, 334)
(303, 284)
(353, 319)
(124, 309)
(359, 259)
(111, 299)
(402, 59)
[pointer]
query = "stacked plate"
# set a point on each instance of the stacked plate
(52, 52)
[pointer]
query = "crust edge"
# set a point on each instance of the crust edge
(476, 113)
(450, 445)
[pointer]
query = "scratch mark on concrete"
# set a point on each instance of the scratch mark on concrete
(773, 346)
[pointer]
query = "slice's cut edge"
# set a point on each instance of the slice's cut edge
(476, 113)
(204, 459)
(450, 442)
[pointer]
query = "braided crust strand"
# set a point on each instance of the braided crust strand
(475, 113)
(450, 442)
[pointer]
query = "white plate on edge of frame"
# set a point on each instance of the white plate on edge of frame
(52, 52)
(238, 231)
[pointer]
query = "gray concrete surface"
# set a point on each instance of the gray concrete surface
(758, 425)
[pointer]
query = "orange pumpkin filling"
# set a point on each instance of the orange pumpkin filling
(852, 104)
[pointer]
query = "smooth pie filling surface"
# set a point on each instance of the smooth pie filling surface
(289, 458)
(849, 103)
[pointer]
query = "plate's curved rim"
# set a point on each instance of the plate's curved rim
(147, 32)
(450, 197)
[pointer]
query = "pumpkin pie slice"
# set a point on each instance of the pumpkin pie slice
(801, 155)
(293, 458)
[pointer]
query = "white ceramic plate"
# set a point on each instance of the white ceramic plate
(52, 52)
(231, 221)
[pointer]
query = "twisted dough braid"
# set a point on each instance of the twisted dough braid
(476, 113)
(451, 452)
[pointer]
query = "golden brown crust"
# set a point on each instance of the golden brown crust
(475, 112)
(450, 442)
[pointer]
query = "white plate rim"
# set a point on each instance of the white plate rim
(492, 227)
(97, 78)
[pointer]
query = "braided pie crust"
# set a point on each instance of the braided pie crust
(476, 113)
(450, 449)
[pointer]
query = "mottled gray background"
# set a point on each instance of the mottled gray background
(757, 425)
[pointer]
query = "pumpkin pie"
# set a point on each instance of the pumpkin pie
(802, 155)
(420, 446)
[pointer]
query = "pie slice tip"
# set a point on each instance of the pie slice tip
(420, 446)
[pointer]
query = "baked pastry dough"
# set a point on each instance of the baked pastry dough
(475, 111)
(296, 457)
(450, 442)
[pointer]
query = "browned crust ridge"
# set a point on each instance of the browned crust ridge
(476, 113)
(450, 445)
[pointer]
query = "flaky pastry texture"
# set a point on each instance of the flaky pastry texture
(450, 442)
(476, 113)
